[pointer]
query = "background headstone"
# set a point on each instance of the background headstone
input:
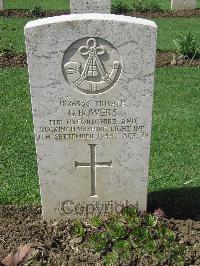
(183, 4)
(1, 4)
(90, 6)
(92, 79)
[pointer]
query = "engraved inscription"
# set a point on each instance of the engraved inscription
(91, 65)
(93, 165)
(85, 209)
(92, 120)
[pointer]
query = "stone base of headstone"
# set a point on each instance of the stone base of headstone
(183, 4)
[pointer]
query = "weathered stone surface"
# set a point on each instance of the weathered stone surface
(92, 80)
(1, 4)
(90, 6)
(183, 4)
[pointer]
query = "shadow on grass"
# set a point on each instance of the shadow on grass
(183, 203)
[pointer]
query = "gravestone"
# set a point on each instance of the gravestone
(92, 6)
(1, 4)
(92, 80)
(183, 4)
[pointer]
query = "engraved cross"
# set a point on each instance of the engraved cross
(93, 165)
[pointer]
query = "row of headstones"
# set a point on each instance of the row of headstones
(175, 4)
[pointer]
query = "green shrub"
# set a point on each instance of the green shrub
(151, 220)
(78, 229)
(99, 241)
(147, 5)
(120, 6)
(96, 221)
(120, 246)
(37, 11)
(127, 236)
(115, 229)
(111, 259)
(129, 213)
(187, 46)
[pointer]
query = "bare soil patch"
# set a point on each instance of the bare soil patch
(163, 59)
(165, 13)
(53, 244)
(170, 59)
(12, 60)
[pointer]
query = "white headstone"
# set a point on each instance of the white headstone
(92, 80)
(183, 4)
(90, 6)
(1, 4)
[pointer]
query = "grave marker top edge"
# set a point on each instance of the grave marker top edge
(92, 16)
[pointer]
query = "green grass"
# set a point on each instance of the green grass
(45, 4)
(175, 156)
(12, 31)
(170, 28)
(18, 170)
(165, 4)
(60, 4)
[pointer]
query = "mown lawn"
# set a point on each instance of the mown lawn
(56, 4)
(45, 4)
(170, 28)
(12, 32)
(18, 170)
(175, 156)
(63, 4)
